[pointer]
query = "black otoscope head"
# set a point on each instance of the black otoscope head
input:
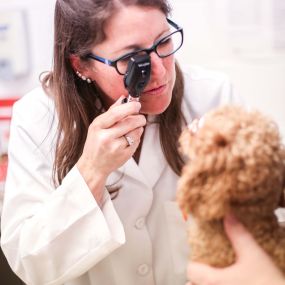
(137, 75)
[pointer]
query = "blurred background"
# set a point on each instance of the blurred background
(244, 38)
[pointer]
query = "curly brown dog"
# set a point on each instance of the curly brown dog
(236, 164)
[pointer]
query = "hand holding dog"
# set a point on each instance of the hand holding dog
(253, 265)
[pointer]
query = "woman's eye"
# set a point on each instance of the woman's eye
(165, 41)
(126, 59)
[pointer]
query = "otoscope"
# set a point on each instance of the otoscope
(137, 76)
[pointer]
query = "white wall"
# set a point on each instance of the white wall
(245, 39)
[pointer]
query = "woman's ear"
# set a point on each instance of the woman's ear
(76, 63)
(80, 68)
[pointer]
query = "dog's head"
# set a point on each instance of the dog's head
(235, 161)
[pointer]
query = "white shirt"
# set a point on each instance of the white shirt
(61, 236)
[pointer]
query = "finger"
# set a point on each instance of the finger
(128, 125)
(138, 133)
(130, 147)
(123, 143)
(118, 102)
(240, 238)
(201, 274)
(116, 114)
(134, 136)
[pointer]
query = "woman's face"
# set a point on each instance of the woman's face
(131, 28)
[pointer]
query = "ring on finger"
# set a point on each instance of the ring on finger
(129, 140)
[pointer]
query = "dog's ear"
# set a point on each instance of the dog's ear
(204, 187)
(205, 206)
(214, 202)
(202, 193)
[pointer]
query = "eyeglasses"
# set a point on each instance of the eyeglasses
(164, 47)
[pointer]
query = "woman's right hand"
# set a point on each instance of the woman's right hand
(106, 148)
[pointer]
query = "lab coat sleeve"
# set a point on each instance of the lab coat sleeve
(51, 235)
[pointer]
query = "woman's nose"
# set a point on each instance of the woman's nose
(157, 66)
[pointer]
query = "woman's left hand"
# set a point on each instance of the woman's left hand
(253, 265)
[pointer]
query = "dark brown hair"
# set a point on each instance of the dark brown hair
(78, 27)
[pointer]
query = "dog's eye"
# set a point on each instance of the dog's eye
(220, 140)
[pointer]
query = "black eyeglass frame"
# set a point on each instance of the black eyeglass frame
(113, 63)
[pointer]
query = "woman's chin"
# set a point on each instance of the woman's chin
(153, 109)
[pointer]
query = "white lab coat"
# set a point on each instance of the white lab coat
(61, 236)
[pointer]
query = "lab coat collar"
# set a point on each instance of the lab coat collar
(152, 161)
(188, 111)
(151, 164)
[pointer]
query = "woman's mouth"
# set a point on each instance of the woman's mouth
(155, 91)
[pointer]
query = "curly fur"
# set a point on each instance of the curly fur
(236, 164)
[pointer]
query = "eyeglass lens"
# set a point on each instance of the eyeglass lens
(165, 47)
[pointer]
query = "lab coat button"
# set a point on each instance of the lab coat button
(139, 223)
(143, 269)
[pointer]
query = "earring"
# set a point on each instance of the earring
(84, 78)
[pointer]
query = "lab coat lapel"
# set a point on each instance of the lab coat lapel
(152, 161)
(131, 170)
(188, 111)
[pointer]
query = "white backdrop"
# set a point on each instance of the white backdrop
(245, 39)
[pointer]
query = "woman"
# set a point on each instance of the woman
(90, 192)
